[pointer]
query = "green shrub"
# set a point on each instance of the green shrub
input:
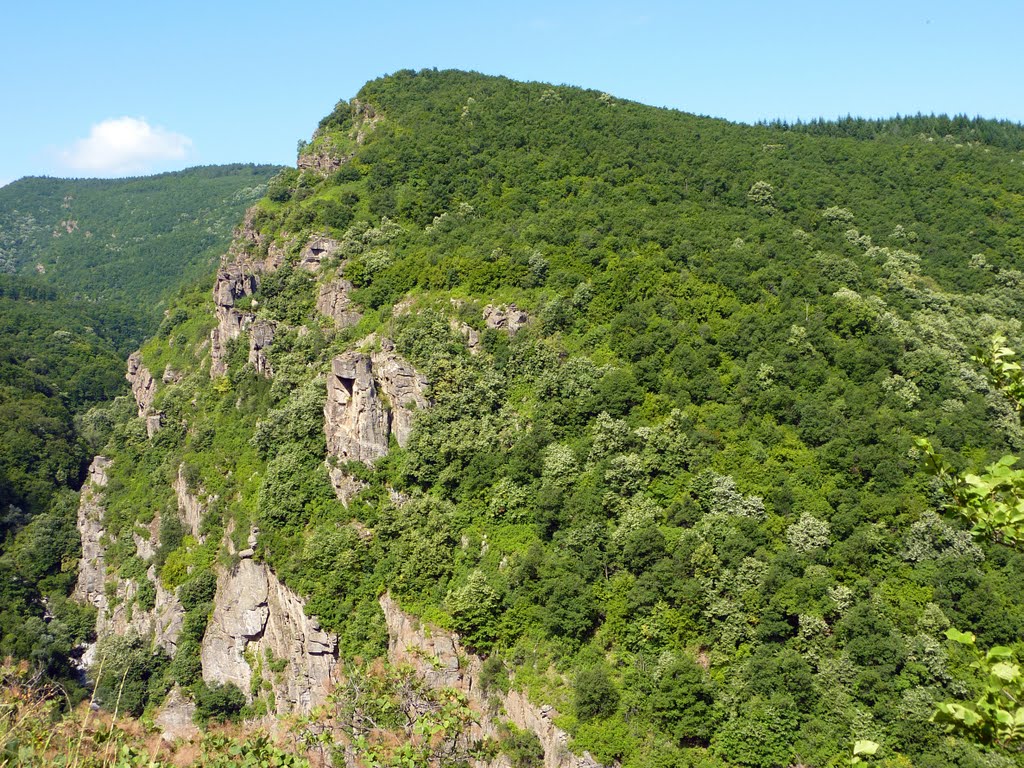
(217, 703)
(594, 694)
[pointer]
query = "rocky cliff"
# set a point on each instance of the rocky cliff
(92, 568)
(142, 382)
(117, 611)
(259, 632)
(258, 629)
(249, 256)
(333, 301)
(371, 396)
(191, 506)
(261, 336)
(233, 284)
(444, 663)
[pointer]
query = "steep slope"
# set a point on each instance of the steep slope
(97, 262)
(623, 397)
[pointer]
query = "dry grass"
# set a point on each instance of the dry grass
(39, 730)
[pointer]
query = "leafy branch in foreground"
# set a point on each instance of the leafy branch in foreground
(993, 503)
(996, 716)
(1006, 373)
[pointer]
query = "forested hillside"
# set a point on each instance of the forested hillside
(129, 241)
(646, 390)
(86, 269)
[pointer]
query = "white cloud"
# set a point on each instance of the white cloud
(125, 145)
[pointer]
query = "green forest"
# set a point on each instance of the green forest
(86, 270)
(129, 242)
(686, 503)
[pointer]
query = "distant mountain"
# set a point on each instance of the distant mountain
(131, 241)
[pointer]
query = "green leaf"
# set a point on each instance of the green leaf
(865, 747)
(964, 638)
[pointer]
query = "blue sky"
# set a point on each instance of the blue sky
(123, 88)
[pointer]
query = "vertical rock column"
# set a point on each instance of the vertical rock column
(232, 284)
(357, 423)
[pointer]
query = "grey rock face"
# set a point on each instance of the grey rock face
(256, 618)
(357, 423)
(333, 301)
(318, 248)
(143, 383)
(232, 284)
(261, 336)
(505, 318)
(92, 567)
(442, 662)
(164, 621)
(404, 388)
(190, 507)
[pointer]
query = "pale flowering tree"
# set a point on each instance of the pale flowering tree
(808, 533)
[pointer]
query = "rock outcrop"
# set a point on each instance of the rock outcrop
(261, 336)
(190, 507)
(333, 301)
(319, 248)
(358, 424)
(442, 662)
(256, 622)
(120, 616)
(508, 318)
(366, 119)
(92, 567)
(470, 334)
(323, 159)
(233, 283)
(355, 420)
(249, 256)
(143, 383)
